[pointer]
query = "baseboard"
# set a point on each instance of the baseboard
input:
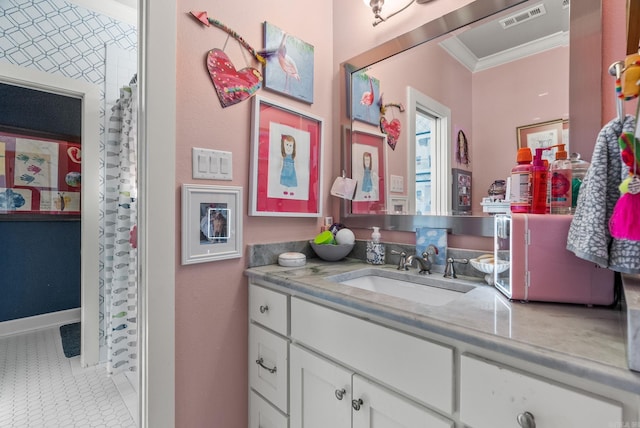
(38, 322)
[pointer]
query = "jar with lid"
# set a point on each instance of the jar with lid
(579, 169)
(498, 190)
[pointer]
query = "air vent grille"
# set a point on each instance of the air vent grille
(523, 16)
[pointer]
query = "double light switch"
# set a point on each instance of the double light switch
(211, 164)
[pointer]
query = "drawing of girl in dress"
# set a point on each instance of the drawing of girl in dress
(288, 174)
(367, 183)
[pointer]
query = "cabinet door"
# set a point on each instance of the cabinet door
(269, 366)
(264, 415)
(494, 396)
(320, 391)
(375, 406)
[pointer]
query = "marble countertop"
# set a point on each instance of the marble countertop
(575, 339)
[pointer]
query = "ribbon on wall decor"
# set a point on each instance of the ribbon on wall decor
(231, 85)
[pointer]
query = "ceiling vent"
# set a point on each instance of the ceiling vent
(523, 16)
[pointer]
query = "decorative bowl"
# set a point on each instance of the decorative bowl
(331, 252)
(488, 268)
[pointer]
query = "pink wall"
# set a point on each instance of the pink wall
(505, 98)
(418, 69)
(211, 298)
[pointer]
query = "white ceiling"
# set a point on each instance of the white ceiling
(487, 44)
(122, 10)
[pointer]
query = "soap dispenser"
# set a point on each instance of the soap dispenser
(375, 248)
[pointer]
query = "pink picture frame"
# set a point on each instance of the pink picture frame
(286, 154)
(367, 161)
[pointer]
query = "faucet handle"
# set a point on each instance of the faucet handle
(402, 260)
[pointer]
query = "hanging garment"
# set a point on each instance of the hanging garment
(120, 259)
(589, 237)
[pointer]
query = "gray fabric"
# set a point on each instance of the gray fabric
(589, 236)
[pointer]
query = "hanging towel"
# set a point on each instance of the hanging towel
(589, 236)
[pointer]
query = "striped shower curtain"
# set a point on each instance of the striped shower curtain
(120, 240)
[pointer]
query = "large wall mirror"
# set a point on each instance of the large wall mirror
(466, 81)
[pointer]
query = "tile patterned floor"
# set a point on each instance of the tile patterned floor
(41, 388)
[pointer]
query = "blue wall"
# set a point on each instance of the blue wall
(39, 267)
(39, 260)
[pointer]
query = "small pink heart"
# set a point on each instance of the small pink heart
(392, 129)
(75, 154)
(231, 85)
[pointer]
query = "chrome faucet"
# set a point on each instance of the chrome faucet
(450, 271)
(424, 262)
(402, 260)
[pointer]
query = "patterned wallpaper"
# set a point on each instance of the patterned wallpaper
(56, 36)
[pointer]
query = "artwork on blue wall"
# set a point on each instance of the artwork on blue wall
(290, 62)
(39, 175)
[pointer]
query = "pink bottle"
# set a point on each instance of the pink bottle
(520, 195)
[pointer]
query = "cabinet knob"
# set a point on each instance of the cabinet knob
(263, 308)
(356, 404)
(526, 420)
(340, 393)
(260, 362)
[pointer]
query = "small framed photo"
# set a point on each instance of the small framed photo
(541, 135)
(286, 155)
(211, 223)
(461, 196)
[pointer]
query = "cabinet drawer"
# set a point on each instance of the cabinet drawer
(269, 366)
(417, 367)
(268, 308)
(493, 396)
(264, 415)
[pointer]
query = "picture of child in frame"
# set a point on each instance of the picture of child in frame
(214, 223)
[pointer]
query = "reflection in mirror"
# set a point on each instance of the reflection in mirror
(477, 94)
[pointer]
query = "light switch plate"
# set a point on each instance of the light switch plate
(212, 164)
(397, 183)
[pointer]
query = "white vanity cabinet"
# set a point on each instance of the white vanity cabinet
(314, 366)
(268, 358)
(325, 394)
(492, 395)
(419, 370)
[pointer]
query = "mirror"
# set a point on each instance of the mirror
(388, 67)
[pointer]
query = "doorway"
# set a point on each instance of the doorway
(429, 164)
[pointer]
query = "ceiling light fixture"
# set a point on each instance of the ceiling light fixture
(376, 8)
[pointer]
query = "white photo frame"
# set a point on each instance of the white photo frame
(211, 223)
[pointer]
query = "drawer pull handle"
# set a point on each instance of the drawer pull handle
(526, 420)
(356, 404)
(263, 308)
(340, 393)
(260, 362)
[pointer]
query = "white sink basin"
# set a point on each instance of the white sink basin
(433, 290)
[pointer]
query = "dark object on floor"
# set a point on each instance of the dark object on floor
(70, 335)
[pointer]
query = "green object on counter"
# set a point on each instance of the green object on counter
(325, 237)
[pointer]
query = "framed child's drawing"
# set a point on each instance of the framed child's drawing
(367, 159)
(286, 155)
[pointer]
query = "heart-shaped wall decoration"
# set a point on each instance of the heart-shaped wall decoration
(231, 85)
(392, 130)
(75, 154)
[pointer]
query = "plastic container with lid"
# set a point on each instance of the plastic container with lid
(560, 183)
(579, 169)
(520, 193)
